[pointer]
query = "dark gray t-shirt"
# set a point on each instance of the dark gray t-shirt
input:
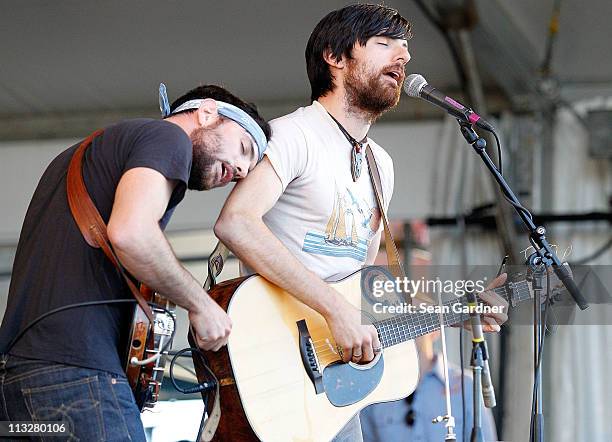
(54, 266)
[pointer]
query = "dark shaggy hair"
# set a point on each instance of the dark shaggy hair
(221, 94)
(338, 32)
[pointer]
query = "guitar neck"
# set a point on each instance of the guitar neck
(405, 327)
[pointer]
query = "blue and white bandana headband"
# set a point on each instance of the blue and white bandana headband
(227, 110)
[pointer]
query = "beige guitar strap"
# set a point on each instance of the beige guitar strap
(393, 258)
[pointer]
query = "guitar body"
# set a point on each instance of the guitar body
(266, 390)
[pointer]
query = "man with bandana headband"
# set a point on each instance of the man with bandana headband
(308, 211)
(68, 365)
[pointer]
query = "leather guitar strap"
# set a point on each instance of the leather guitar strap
(208, 427)
(393, 259)
(90, 221)
(94, 232)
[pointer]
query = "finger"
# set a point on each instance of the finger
(498, 281)
(376, 344)
(368, 352)
(223, 341)
(206, 345)
(467, 325)
(212, 342)
(493, 299)
(489, 325)
(499, 312)
(346, 353)
(357, 354)
(218, 344)
(499, 318)
(202, 343)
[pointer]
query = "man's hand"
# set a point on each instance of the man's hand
(211, 325)
(491, 322)
(359, 343)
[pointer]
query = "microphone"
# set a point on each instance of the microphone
(416, 86)
(488, 393)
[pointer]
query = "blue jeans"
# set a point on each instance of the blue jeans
(98, 405)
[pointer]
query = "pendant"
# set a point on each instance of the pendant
(356, 160)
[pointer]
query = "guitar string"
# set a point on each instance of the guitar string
(402, 330)
(395, 330)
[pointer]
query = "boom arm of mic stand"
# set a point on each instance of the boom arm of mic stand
(536, 234)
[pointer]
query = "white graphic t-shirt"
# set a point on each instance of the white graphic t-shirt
(324, 218)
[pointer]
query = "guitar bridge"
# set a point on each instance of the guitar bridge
(309, 357)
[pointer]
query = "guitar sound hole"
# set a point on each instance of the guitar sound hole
(136, 343)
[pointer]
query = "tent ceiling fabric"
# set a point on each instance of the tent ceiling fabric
(73, 56)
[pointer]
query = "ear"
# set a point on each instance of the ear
(207, 113)
(332, 61)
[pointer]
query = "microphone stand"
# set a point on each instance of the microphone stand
(477, 363)
(480, 367)
(543, 255)
(538, 268)
(448, 418)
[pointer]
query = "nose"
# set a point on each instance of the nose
(403, 56)
(242, 169)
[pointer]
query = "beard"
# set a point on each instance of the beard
(206, 146)
(368, 91)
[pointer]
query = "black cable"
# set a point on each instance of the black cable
(90, 304)
(61, 309)
(499, 153)
(516, 205)
(186, 367)
(199, 387)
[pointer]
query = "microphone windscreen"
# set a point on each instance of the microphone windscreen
(413, 85)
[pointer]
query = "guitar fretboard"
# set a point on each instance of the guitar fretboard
(405, 327)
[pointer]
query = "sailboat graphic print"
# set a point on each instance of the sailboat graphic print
(347, 230)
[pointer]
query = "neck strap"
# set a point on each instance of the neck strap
(393, 259)
(348, 136)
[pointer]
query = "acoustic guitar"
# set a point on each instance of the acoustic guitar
(281, 376)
